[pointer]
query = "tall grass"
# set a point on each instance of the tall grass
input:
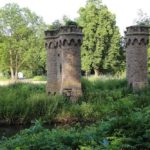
(121, 118)
(24, 103)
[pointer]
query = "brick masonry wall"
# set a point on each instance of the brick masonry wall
(63, 61)
(51, 68)
(136, 56)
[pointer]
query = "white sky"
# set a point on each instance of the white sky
(51, 10)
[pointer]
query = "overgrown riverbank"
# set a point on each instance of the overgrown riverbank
(117, 118)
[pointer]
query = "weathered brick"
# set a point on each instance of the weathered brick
(63, 60)
(136, 56)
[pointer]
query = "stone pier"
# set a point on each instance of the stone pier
(136, 38)
(63, 61)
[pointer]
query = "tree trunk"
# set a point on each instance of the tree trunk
(87, 74)
(97, 72)
(14, 74)
(13, 66)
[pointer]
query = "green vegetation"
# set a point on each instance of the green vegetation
(4, 78)
(39, 78)
(142, 18)
(65, 21)
(21, 40)
(109, 116)
(24, 103)
(101, 50)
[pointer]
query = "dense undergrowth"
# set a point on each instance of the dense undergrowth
(25, 103)
(120, 119)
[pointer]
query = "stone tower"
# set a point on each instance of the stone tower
(136, 56)
(63, 61)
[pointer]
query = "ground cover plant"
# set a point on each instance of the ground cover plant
(39, 78)
(108, 116)
(25, 103)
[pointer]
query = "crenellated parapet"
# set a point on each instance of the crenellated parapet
(64, 36)
(137, 35)
(70, 36)
(51, 39)
(65, 42)
(63, 60)
(51, 34)
(137, 30)
(140, 41)
(72, 29)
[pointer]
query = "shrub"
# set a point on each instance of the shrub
(121, 118)
(39, 78)
(23, 102)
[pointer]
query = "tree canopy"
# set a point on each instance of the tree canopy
(101, 49)
(22, 39)
(62, 22)
(142, 18)
(21, 43)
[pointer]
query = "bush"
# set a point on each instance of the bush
(113, 117)
(39, 78)
(27, 73)
(4, 78)
(23, 103)
(126, 132)
(39, 138)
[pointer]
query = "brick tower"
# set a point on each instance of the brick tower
(63, 61)
(136, 56)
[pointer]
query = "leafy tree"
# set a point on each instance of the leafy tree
(101, 48)
(142, 19)
(55, 25)
(67, 21)
(62, 22)
(21, 43)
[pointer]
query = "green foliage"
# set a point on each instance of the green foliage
(70, 22)
(27, 73)
(22, 39)
(39, 78)
(65, 21)
(119, 132)
(3, 78)
(101, 48)
(109, 116)
(26, 102)
(143, 18)
(55, 139)
(23, 103)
